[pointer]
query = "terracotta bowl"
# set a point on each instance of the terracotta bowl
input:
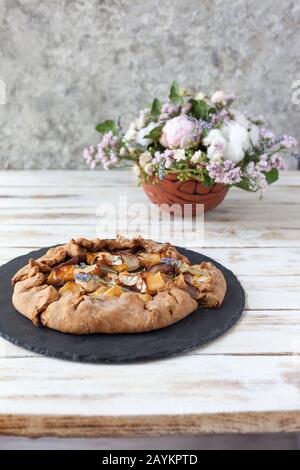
(171, 191)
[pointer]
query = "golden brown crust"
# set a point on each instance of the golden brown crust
(216, 291)
(78, 313)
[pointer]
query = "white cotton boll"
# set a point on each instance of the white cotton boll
(214, 134)
(239, 141)
(140, 136)
(252, 129)
(234, 153)
(234, 132)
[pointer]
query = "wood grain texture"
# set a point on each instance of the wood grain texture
(139, 426)
(246, 381)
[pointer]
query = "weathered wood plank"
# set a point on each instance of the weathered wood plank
(138, 426)
(256, 215)
(183, 385)
(217, 234)
(29, 196)
(281, 329)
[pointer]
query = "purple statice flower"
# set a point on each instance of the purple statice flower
(274, 141)
(288, 142)
(222, 116)
(168, 110)
(108, 151)
(256, 177)
(85, 277)
(158, 157)
(224, 172)
(265, 133)
(89, 154)
(171, 261)
(205, 125)
(277, 162)
(164, 158)
(264, 164)
(185, 109)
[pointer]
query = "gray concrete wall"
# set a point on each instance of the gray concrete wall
(69, 63)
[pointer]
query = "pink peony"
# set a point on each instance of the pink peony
(181, 132)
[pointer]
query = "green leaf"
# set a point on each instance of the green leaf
(174, 95)
(155, 133)
(106, 126)
(272, 176)
(244, 184)
(212, 110)
(156, 108)
(199, 109)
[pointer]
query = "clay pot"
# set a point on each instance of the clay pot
(171, 191)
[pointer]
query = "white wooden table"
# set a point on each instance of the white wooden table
(246, 381)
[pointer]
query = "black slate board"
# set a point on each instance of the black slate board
(197, 329)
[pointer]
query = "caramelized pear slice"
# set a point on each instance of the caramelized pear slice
(114, 291)
(100, 291)
(71, 287)
(61, 274)
(155, 282)
(149, 259)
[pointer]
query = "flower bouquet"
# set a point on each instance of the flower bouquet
(192, 148)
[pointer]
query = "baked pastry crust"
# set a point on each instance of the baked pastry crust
(81, 313)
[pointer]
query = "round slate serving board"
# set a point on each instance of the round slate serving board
(195, 330)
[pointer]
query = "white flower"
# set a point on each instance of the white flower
(132, 126)
(199, 96)
(184, 92)
(141, 121)
(145, 158)
(217, 157)
(179, 155)
(196, 157)
(130, 135)
(140, 136)
(148, 169)
(131, 150)
(136, 170)
(218, 97)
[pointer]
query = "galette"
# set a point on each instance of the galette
(114, 286)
